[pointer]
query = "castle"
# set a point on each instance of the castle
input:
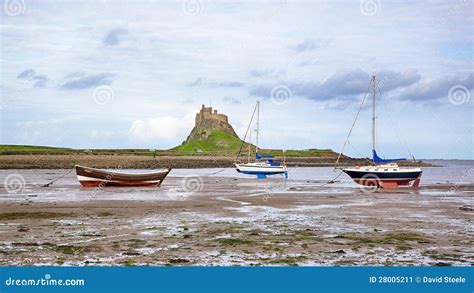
(207, 113)
(207, 121)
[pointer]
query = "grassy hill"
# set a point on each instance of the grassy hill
(219, 142)
(216, 141)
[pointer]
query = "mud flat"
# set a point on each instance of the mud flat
(215, 220)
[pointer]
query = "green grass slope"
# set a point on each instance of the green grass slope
(216, 141)
(31, 149)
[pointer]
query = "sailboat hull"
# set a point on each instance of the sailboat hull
(384, 179)
(260, 169)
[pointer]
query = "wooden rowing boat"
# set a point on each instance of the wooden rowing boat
(91, 177)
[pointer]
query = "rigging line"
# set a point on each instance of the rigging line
(402, 142)
(243, 140)
(54, 180)
(353, 124)
(359, 153)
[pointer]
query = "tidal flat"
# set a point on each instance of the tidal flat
(199, 219)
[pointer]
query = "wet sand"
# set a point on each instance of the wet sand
(235, 221)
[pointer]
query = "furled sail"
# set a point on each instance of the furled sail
(378, 159)
(258, 156)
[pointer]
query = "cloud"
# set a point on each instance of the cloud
(75, 74)
(201, 81)
(161, 130)
(27, 74)
(187, 100)
(231, 100)
(101, 134)
(342, 84)
(89, 81)
(232, 84)
(114, 36)
(308, 62)
(39, 80)
(390, 80)
(265, 73)
(436, 88)
(261, 90)
(310, 45)
(197, 82)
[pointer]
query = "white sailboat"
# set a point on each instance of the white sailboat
(259, 168)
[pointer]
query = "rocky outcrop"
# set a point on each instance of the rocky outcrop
(207, 121)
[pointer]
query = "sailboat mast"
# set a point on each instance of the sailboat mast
(373, 112)
(250, 144)
(258, 122)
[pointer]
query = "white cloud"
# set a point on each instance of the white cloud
(166, 131)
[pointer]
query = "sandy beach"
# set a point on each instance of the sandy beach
(228, 219)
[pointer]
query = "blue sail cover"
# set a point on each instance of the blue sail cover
(378, 159)
(257, 155)
(269, 161)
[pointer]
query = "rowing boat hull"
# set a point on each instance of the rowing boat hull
(91, 177)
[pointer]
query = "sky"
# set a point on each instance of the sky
(133, 74)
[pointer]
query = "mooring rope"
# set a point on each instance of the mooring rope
(56, 179)
(213, 173)
(331, 181)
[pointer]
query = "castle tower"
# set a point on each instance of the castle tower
(209, 120)
(207, 113)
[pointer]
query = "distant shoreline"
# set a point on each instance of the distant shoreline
(49, 161)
